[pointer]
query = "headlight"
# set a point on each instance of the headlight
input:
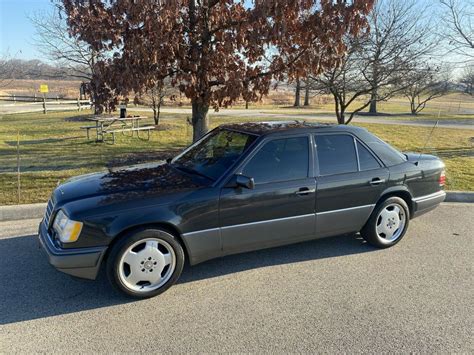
(68, 230)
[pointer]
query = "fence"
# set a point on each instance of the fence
(57, 103)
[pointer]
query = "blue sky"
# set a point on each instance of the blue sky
(16, 31)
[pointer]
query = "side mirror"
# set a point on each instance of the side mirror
(244, 181)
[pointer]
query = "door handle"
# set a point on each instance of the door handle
(305, 191)
(376, 181)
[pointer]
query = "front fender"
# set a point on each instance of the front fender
(140, 217)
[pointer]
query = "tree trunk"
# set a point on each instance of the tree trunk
(156, 115)
(156, 106)
(340, 109)
(412, 106)
(98, 108)
(199, 120)
(297, 93)
(341, 117)
(306, 95)
(373, 102)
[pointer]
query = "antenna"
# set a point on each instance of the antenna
(429, 137)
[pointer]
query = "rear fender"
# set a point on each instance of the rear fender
(401, 191)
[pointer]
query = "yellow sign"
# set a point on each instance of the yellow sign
(44, 88)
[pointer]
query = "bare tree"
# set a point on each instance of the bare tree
(399, 36)
(53, 40)
(459, 32)
(376, 65)
(7, 70)
(423, 85)
(346, 84)
(154, 97)
(467, 80)
(76, 58)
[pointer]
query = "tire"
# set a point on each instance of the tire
(388, 223)
(145, 263)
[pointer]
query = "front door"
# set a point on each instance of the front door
(281, 207)
(350, 181)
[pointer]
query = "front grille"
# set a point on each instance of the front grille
(49, 211)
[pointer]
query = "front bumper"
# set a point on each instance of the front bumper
(80, 262)
(424, 204)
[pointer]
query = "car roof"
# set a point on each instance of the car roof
(274, 127)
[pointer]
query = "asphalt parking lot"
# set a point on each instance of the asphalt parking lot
(329, 295)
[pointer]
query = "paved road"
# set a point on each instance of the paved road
(331, 295)
(466, 123)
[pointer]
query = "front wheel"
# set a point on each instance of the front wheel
(388, 223)
(146, 263)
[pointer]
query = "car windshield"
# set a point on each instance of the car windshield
(214, 154)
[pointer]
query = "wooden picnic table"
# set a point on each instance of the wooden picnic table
(104, 125)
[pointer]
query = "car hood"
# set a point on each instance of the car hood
(136, 181)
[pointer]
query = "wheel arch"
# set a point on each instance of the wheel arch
(172, 229)
(401, 192)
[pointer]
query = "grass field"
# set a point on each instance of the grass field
(54, 148)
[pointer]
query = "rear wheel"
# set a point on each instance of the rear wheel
(388, 223)
(145, 263)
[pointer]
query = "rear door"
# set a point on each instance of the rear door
(350, 180)
(281, 207)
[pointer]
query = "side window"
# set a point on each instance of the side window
(336, 154)
(280, 160)
(366, 159)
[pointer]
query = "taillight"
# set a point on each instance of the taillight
(442, 179)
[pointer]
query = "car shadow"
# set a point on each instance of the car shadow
(31, 288)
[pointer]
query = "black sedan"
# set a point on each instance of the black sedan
(241, 187)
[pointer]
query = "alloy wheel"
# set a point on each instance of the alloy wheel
(147, 264)
(391, 223)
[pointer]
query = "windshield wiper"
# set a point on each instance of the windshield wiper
(191, 171)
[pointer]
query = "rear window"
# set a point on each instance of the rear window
(388, 154)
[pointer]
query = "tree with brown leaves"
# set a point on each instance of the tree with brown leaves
(215, 51)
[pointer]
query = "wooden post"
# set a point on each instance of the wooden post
(14, 99)
(18, 165)
(44, 105)
(78, 104)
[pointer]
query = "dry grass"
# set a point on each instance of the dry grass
(24, 87)
(53, 148)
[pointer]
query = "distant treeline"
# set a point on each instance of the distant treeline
(32, 69)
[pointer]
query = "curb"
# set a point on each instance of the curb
(36, 210)
(17, 212)
(459, 196)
